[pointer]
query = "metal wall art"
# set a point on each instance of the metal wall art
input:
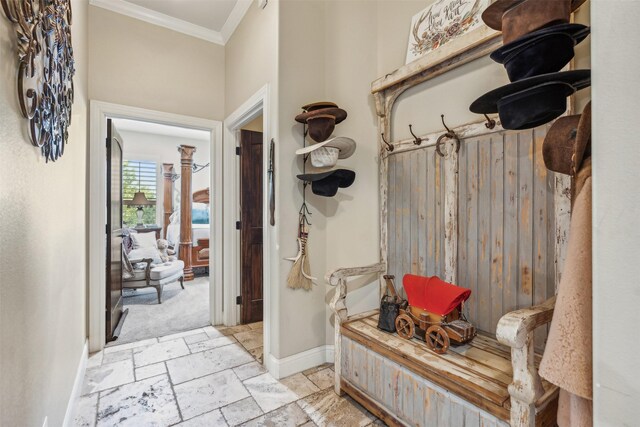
(45, 70)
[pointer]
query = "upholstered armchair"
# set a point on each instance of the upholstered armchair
(144, 266)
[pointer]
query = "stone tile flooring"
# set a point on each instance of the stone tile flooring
(207, 377)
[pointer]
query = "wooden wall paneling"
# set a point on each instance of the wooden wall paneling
(413, 213)
(451, 190)
(443, 405)
(431, 212)
(511, 261)
(398, 214)
(542, 273)
(406, 213)
(497, 227)
(525, 228)
(463, 243)
(439, 220)
(484, 233)
(472, 229)
(457, 414)
(392, 267)
(423, 209)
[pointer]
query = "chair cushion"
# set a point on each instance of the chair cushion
(143, 240)
(168, 269)
(142, 253)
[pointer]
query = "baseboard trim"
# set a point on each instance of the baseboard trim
(281, 368)
(77, 386)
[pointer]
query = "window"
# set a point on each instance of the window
(139, 176)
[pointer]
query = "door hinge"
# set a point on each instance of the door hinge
(237, 151)
(239, 300)
(238, 225)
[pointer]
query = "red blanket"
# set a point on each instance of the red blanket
(433, 294)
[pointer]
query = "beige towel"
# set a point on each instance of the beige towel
(567, 360)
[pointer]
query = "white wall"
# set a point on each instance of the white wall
(43, 257)
(135, 63)
(616, 212)
(163, 149)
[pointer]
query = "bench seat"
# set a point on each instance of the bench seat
(475, 376)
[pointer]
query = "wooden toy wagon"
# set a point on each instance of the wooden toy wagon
(435, 308)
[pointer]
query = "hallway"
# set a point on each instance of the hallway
(207, 377)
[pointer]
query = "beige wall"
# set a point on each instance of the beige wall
(43, 257)
(135, 63)
(616, 204)
(251, 62)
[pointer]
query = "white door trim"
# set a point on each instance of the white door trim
(99, 112)
(257, 104)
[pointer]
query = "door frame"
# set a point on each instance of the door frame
(99, 112)
(258, 104)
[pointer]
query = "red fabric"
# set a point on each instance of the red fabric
(433, 294)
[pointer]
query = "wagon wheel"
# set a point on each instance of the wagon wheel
(437, 339)
(404, 326)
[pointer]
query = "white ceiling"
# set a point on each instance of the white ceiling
(211, 14)
(211, 20)
(160, 129)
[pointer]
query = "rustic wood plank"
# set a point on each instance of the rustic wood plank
(406, 213)
(391, 204)
(422, 211)
(431, 203)
(484, 234)
(525, 229)
(415, 190)
(398, 232)
(541, 273)
(472, 230)
(511, 262)
(463, 243)
(371, 405)
(451, 189)
(439, 217)
(497, 229)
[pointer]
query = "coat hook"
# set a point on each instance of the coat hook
(416, 140)
(389, 147)
(490, 122)
(449, 134)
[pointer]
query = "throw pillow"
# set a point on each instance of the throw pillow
(142, 253)
(144, 240)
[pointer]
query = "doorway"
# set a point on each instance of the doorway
(98, 274)
(251, 227)
(164, 170)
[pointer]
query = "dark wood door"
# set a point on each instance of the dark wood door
(251, 225)
(114, 230)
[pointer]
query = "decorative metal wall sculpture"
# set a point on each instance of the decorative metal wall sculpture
(46, 69)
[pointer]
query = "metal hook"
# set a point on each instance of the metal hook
(490, 122)
(449, 134)
(416, 140)
(444, 124)
(389, 147)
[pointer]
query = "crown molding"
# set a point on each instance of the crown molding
(234, 19)
(142, 13)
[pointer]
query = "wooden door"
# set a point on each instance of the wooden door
(251, 226)
(114, 231)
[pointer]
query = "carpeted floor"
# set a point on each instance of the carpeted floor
(181, 310)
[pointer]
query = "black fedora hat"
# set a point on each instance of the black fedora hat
(533, 101)
(326, 183)
(541, 52)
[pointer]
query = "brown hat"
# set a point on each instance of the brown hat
(568, 142)
(321, 126)
(336, 112)
(318, 105)
(516, 18)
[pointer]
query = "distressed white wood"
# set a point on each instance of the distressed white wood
(451, 214)
(411, 398)
(562, 201)
(516, 330)
(338, 305)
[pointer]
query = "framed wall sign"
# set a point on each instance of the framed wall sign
(447, 27)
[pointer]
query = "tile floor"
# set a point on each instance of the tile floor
(207, 377)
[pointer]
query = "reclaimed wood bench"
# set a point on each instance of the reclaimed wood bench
(486, 382)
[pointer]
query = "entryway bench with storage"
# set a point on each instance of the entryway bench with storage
(487, 216)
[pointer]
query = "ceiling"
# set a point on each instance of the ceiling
(160, 129)
(210, 14)
(211, 20)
